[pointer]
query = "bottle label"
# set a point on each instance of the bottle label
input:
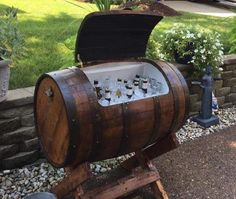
(108, 95)
(129, 91)
(144, 85)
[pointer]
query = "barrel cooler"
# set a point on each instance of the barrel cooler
(74, 127)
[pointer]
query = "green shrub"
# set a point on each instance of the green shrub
(195, 45)
(103, 5)
(11, 41)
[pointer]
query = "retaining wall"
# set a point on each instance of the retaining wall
(19, 144)
(224, 88)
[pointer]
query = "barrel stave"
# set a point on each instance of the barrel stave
(98, 132)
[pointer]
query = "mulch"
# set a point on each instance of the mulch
(150, 6)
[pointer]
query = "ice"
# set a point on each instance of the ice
(118, 75)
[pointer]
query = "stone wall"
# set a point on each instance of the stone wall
(18, 142)
(224, 87)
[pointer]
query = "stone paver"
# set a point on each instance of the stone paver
(199, 8)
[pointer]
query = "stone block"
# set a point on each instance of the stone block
(230, 67)
(233, 89)
(17, 136)
(7, 125)
(229, 59)
(221, 100)
(231, 97)
(18, 97)
(195, 89)
(227, 74)
(193, 113)
(194, 98)
(217, 84)
(230, 82)
(30, 145)
(195, 107)
(27, 120)
(16, 112)
(234, 73)
(8, 150)
(19, 160)
(222, 91)
(227, 105)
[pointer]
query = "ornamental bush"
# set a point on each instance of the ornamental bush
(11, 41)
(194, 45)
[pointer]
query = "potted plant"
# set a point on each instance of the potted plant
(11, 47)
(192, 45)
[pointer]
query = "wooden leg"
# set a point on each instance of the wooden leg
(156, 186)
(74, 178)
(78, 192)
(122, 186)
(166, 144)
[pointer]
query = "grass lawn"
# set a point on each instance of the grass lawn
(50, 28)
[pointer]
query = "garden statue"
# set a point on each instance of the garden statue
(205, 118)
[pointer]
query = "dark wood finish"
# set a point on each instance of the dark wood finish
(74, 128)
(156, 186)
(114, 35)
(122, 187)
(162, 146)
(74, 178)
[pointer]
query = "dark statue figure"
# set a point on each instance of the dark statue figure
(205, 118)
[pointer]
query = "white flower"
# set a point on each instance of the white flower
(218, 44)
(196, 50)
(199, 35)
(221, 52)
(193, 57)
(203, 50)
(205, 41)
(190, 35)
(162, 56)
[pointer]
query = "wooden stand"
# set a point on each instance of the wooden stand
(147, 176)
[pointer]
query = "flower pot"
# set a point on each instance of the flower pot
(187, 58)
(4, 78)
(183, 60)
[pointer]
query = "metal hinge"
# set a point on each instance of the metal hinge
(80, 60)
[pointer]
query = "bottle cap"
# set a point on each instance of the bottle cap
(107, 90)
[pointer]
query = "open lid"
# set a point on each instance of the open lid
(114, 35)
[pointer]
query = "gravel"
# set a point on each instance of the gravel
(191, 130)
(41, 176)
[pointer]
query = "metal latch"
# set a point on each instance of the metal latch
(49, 92)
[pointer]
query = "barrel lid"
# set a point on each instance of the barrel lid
(114, 35)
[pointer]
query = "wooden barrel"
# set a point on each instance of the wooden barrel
(73, 127)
